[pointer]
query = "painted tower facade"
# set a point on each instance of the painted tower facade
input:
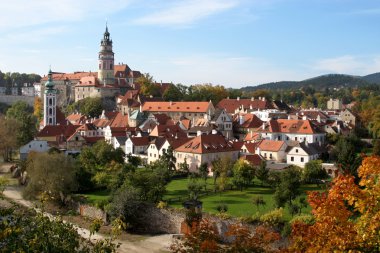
(106, 60)
(50, 102)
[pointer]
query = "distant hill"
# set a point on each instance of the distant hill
(320, 82)
(372, 78)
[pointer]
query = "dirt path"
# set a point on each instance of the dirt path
(150, 244)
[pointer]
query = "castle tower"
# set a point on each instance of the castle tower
(106, 60)
(50, 102)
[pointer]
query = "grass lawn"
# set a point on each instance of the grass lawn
(238, 202)
(96, 196)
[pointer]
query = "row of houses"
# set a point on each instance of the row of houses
(196, 131)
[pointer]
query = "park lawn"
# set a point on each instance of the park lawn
(96, 197)
(239, 202)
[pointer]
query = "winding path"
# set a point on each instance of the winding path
(149, 244)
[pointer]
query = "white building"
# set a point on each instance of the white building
(303, 153)
(268, 114)
(293, 130)
(34, 145)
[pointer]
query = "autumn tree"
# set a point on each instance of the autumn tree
(8, 139)
(38, 108)
(53, 173)
(346, 216)
(204, 239)
(148, 86)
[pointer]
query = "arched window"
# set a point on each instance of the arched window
(50, 111)
(50, 101)
(50, 121)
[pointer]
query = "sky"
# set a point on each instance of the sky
(234, 43)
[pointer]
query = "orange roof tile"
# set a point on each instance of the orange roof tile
(270, 145)
(211, 143)
(230, 105)
(201, 107)
(289, 126)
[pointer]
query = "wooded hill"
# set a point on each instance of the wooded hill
(320, 82)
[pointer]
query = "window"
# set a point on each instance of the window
(295, 138)
(50, 101)
(270, 155)
(302, 159)
(292, 159)
(296, 150)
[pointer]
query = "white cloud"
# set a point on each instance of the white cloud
(185, 12)
(26, 13)
(349, 64)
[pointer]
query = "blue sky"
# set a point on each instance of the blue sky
(230, 42)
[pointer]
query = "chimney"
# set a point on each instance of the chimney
(199, 133)
(252, 99)
(171, 103)
(214, 131)
(263, 126)
(238, 98)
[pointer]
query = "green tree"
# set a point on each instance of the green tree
(169, 159)
(221, 167)
(194, 187)
(376, 147)
(313, 170)
(243, 173)
(52, 173)
(288, 188)
(21, 112)
(203, 171)
(97, 162)
(262, 172)
(172, 93)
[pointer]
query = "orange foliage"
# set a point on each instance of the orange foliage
(206, 239)
(347, 217)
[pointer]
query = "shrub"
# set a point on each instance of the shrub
(304, 218)
(223, 216)
(222, 208)
(274, 217)
(255, 217)
(162, 205)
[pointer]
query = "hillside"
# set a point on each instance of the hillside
(320, 82)
(372, 78)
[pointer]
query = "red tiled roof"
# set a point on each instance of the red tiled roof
(76, 118)
(201, 107)
(119, 120)
(251, 136)
(289, 126)
(250, 121)
(69, 76)
(140, 141)
(57, 130)
(255, 159)
(169, 131)
(230, 105)
(251, 146)
(202, 144)
(270, 145)
(92, 140)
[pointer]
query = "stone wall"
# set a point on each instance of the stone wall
(11, 99)
(92, 212)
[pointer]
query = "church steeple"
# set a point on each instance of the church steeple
(106, 60)
(50, 101)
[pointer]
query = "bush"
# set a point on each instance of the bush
(255, 217)
(274, 217)
(304, 218)
(222, 208)
(162, 205)
(223, 216)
